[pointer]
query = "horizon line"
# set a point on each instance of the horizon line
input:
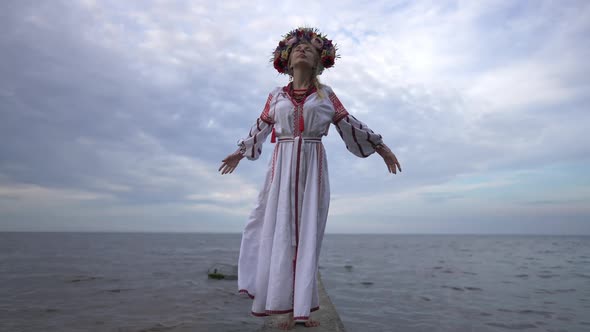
(327, 233)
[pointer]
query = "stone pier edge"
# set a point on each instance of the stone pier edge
(327, 316)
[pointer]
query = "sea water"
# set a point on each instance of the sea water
(158, 282)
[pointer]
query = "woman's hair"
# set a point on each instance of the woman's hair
(316, 82)
(314, 76)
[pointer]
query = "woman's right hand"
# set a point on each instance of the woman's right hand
(230, 162)
(389, 158)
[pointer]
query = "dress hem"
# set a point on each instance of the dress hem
(282, 312)
(244, 291)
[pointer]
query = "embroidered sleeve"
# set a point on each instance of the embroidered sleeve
(251, 146)
(359, 139)
(266, 116)
(339, 110)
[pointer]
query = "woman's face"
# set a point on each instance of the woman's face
(303, 54)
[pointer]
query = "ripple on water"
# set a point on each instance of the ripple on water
(563, 318)
(545, 314)
(554, 291)
(513, 326)
(556, 267)
(462, 288)
(159, 327)
(82, 278)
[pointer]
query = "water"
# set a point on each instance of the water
(119, 282)
(158, 282)
(459, 282)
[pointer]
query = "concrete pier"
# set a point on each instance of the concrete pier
(327, 316)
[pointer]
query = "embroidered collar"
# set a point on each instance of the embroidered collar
(296, 95)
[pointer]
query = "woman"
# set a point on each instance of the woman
(281, 242)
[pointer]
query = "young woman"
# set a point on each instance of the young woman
(281, 242)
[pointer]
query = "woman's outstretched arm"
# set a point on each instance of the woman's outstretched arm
(251, 146)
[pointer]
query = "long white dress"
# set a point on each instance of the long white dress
(281, 242)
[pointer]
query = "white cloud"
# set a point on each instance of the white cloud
(136, 103)
(17, 194)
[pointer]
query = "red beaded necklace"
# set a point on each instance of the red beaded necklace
(299, 95)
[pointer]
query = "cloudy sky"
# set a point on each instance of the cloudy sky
(114, 115)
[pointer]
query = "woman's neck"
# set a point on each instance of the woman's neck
(301, 78)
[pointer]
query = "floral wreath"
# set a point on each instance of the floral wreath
(323, 45)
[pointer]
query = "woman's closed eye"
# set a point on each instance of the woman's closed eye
(304, 49)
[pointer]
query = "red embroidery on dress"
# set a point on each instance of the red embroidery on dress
(301, 122)
(298, 120)
(296, 219)
(273, 136)
(245, 291)
(265, 116)
(339, 110)
(321, 159)
(280, 312)
(274, 161)
(277, 312)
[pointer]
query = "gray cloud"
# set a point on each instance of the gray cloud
(138, 102)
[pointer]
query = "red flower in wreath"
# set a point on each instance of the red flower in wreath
(278, 65)
(327, 61)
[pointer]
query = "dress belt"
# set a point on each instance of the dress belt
(305, 139)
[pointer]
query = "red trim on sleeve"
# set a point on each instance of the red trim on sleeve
(339, 111)
(265, 116)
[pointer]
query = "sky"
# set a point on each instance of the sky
(115, 115)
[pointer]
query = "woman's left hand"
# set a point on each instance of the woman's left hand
(389, 158)
(230, 162)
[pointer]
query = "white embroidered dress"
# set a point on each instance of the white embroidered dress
(281, 242)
